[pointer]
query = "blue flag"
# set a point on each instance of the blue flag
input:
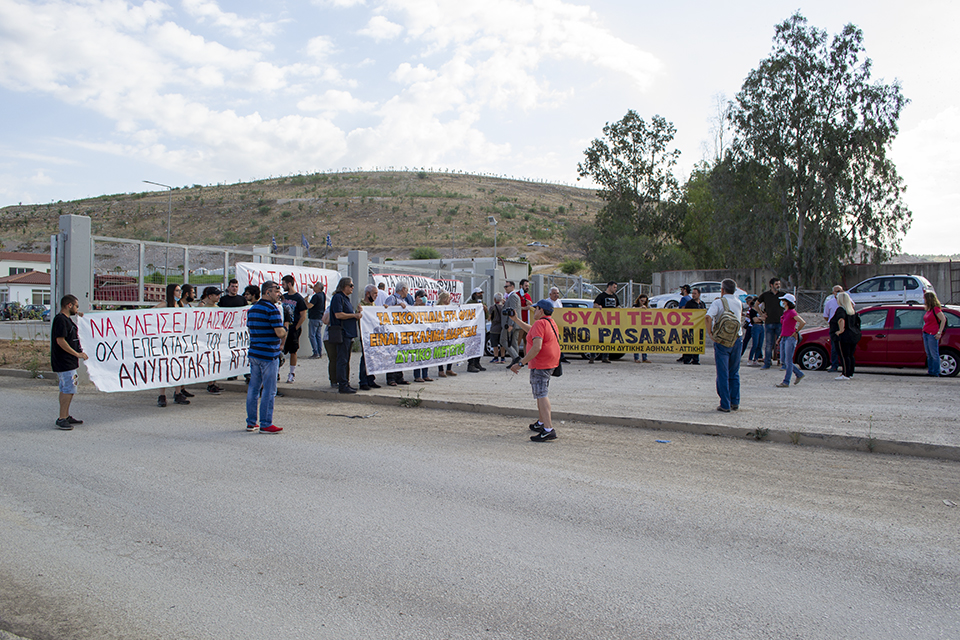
(329, 241)
(304, 242)
(273, 241)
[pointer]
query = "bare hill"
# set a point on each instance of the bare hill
(386, 213)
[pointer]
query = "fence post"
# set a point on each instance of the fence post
(357, 269)
(536, 283)
(75, 269)
(141, 276)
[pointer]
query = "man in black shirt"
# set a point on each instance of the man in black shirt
(315, 309)
(606, 300)
(294, 302)
(693, 303)
(770, 312)
(65, 354)
(232, 297)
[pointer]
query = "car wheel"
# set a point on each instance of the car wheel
(812, 358)
(671, 304)
(949, 362)
(488, 347)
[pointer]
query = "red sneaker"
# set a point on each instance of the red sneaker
(271, 429)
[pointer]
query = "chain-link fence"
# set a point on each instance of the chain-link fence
(811, 301)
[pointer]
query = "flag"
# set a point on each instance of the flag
(273, 241)
(303, 241)
(329, 241)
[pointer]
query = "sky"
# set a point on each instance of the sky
(97, 96)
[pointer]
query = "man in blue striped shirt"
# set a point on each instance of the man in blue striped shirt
(265, 324)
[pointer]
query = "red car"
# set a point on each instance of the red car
(891, 337)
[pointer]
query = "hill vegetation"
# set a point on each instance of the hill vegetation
(387, 213)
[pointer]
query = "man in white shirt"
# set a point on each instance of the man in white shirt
(830, 308)
(727, 358)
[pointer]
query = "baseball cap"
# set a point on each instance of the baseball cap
(546, 306)
(478, 290)
(211, 291)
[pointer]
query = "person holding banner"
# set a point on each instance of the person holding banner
(367, 381)
(174, 293)
(543, 356)
(401, 298)
(65, 355)
(265, 323)
(345, 319)
(443, 300)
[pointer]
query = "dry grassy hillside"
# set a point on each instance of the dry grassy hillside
(386, 213)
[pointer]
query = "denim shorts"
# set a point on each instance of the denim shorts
(540, 382)
(68, 381)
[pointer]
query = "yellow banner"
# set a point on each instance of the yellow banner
(631, 330)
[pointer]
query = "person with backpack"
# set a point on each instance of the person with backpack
(724, 328)
(845, 326)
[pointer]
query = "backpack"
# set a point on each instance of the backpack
(851, 333)
(727, 328)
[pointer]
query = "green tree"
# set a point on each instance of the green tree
(424, 253)
(810, 116)
(633, 167)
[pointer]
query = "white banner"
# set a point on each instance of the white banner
(431, 286)
(257, 273)
(398, 339)
(160, 348)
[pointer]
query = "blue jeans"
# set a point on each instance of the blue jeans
(315, 333)
(770, 334)
(756, 351)
(262, 373)
(932, 347)
(728, 372)
(788, 345)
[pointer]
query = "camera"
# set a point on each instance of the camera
(509, 312)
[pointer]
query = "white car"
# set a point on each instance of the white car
(892, 289)
(709, 291)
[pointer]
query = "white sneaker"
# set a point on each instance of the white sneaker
(841, 377)
(290, 378)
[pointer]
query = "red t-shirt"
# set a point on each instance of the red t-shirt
(930, 323)
(527, 301)
(549, 355)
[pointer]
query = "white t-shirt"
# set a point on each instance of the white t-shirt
(381, 298)
(716, 308)
(556, 303)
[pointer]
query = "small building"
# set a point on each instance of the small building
(30, 287)
(14, 262)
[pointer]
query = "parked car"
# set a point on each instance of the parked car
(890, 337)
(709, 291)
(537, 244)
(34, 311)
(895, 289)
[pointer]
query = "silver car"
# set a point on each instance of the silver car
(709, 291)
(893, 289)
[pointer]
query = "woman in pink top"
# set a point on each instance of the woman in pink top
(933, 324)
(791, 324)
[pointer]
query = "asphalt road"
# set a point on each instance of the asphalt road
(176, 523)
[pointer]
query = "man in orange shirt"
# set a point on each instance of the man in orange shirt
(543, 356)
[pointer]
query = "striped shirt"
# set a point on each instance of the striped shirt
(262, 318)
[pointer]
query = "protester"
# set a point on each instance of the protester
(724, 311)
(173, 299)
(343, 316)
(331, 350)
(829, 309)
(443, 300)
(265, 324)
(188, 295)
(496, 327)
(211, 298)
(792, 323)
(770, 311)
(65, 355)
(543, 356)
(607, 299)
(642, 302)
(422, 374)
(315, 308)
(845, 325)
(476, 297)
(554, 296)
(757, 331)
(401, 298)
(934, 323)
(511, 310)
(367, 381)
(694, 303)
(526, 302)
(251, 293)
(685, 295)
(232, 297)
(382, 294)
(294, 302)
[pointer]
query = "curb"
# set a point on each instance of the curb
(812, 439)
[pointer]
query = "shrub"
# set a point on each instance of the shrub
(572, 267)
(424, 253)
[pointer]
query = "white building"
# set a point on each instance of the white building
(24, 277)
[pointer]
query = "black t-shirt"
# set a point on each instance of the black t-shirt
(695, 304)
(607, 300)
(771, 305)
(60, 360)
(319, 302)
(295, 304)
(838, 315)
(227, 300)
